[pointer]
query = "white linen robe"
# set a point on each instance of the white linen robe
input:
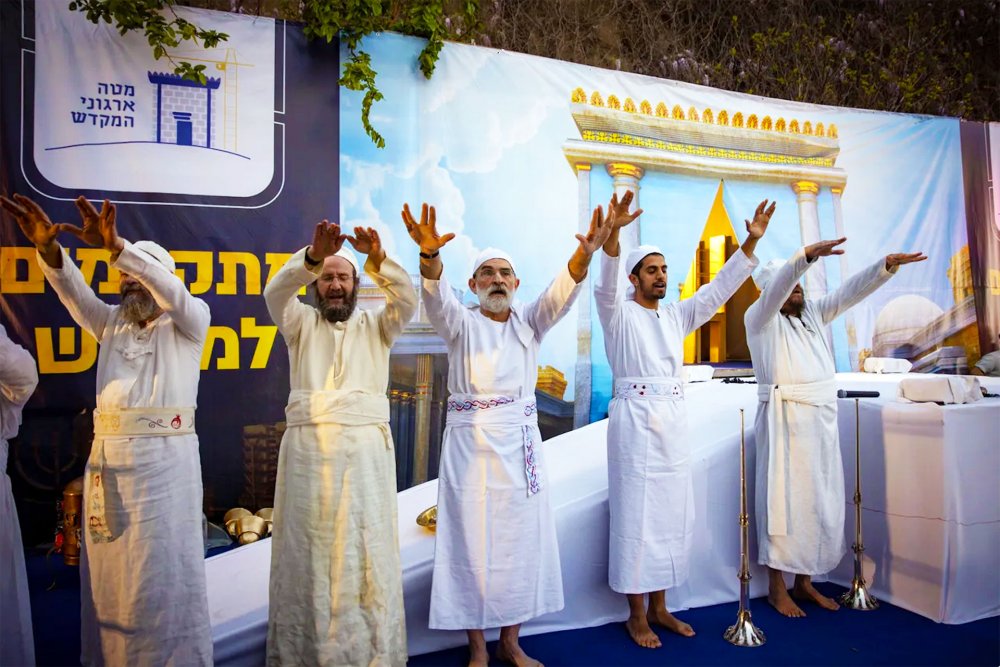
(142, 595)
(791, 351)
(650, 492)
(496, 556)
(18, 379)
(336, 589)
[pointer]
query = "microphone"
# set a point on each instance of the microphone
(844, 393)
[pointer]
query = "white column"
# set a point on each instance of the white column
(838, 225)
(626, 177)
(806, 191)
(422, 395)
(581, 390)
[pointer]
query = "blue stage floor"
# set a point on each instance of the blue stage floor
(887, 636)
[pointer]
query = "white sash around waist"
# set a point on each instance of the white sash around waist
(337, 406)
(499, 410)
(649, 388)
(810, 393)
(144, 422)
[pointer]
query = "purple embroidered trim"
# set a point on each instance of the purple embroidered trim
(530, 409)
(474, 405)
(531, 466)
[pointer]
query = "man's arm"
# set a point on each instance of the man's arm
(281, 294)
(18, 375)
(392, 279)
(189, 313)
(444, 310)
(709, 298)
(767, 307)
(861, 284)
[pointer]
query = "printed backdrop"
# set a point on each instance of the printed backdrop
(513, 150)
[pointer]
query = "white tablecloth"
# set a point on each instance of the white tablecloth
(577, 462)
(931, 502)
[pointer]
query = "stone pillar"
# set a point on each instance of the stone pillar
(815, 278)
(581, 384)
(838, 225)
(422, 407)
(626, 177)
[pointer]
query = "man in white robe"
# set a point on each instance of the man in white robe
(142, 568)
(650, 492)
(336, 589)
(496, 558)
(800, 482)
(18, 379)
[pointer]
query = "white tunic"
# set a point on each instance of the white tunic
(18, 378)
(336, 590)
(496, 558)
(792, 351)
(143, 599)
(650, 493)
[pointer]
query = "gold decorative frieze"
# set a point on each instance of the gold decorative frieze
(703, 151)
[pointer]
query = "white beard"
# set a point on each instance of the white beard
(138, 306)
(493, 303)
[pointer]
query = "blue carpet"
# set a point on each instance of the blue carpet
(888, 636)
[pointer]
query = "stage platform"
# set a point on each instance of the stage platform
(926, 571)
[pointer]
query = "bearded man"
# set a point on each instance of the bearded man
(496, 556)
(336, 589)
(142, 566)
(800, 478)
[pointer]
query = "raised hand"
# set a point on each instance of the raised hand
(761, 218)
(618, 212)
(327, 240)
(32, 220)
(424, 233)
(99, 229)
(366, 241)
(600, 230)
(824, 249)
(899, 258)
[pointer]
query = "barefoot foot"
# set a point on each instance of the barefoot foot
(784, 604)
(638, 628)
(667, 620)
(516, 656)
(804, 592)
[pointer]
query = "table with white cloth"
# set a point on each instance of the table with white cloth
(577, 472)
(930, 487)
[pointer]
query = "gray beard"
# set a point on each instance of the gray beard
(493, 303)
(337, 313)
(138, 306)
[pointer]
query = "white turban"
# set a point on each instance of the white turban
(348, 254)
(157, 252)
(638, 254)
(767, 273)
(492, 253)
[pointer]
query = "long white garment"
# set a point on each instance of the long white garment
(143, 599)
(336, 589)
(496, 556)
(807, 537)
(18, 379)
(650, 495)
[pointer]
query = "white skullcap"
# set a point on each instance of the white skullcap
(348, 254)
(638, 254)
(157, 252)
(767, 272)
(492, 253)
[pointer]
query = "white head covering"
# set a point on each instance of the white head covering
(492, 253)
(767, 272)
(157, 252)
(638, 254)
(348, 254)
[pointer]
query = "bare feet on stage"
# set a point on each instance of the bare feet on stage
(664, 618)
(781, 601)
(640, 632)
(478, 655)
(804, 592)
(516, 656)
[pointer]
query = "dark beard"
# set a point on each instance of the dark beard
(138, 306)
(337, 313)
(794, 309)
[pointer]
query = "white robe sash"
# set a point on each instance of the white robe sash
(811, 393)
(336, 406)
(499, 410)
(650, 389)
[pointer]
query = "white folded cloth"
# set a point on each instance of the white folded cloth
(702, 373)
(887, 365)
(940, 389)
